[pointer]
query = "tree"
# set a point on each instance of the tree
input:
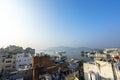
(82, 53)
(101, 51)
(81, 62)
(29, 50)
(108, 56)
(13, 49)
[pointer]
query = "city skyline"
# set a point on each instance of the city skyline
(41, 24)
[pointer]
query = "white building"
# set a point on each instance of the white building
(114, 53)
(117, 70)
(23, 60)
(108, 50)
(98, 55)
(98, 70)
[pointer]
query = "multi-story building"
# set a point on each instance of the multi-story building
(1, 64)
(9, 63)
(23, 60)
(98, 70)
(116, 67)
(98, 55)
(109, 50)
(45, 67)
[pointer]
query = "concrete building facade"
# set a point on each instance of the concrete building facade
(1, 64)
(9, 63)
(98, 70)
(23, 60)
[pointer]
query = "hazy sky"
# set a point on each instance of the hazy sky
(46, 23)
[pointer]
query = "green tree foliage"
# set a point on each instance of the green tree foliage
(81, 62)
(29, 50)
(82, 53)
(108, 56)
(12, 49)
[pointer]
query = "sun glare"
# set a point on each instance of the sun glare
(9, 22)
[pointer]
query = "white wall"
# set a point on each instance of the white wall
(104, 70)
(22, 59)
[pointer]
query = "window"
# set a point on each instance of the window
(13, 66)
(7, 66)
(19, 60)
(25, 72)
(8, 61)
(14, 62)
